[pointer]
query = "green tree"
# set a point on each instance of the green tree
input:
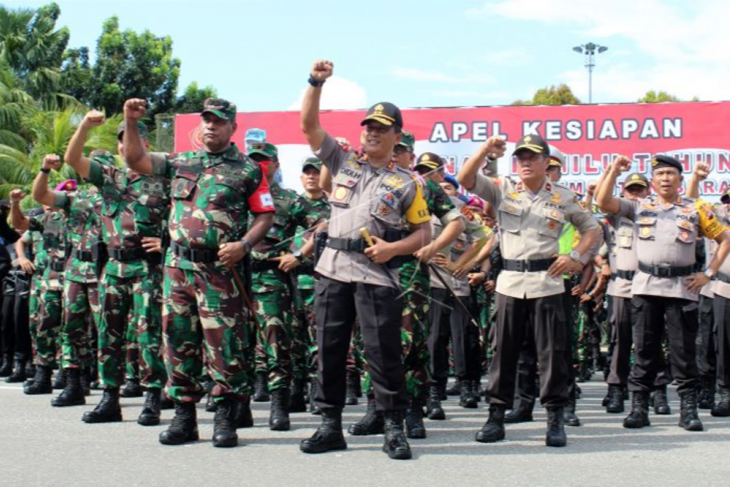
(554, 95)
(652, 96)
(128, 65)
(192, 100)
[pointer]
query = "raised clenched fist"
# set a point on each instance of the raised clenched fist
(52, 161)
(702, 170)
(322, 69)
(494, 147)
(16, 196)
(134, 109)
(94, 118)
(622, 164)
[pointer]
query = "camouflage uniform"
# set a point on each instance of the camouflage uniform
(203, 311)
(134, 206)
(80, 281)
(320, 210)
(47, 284)
(272, 288)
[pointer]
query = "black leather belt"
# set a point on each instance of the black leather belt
(83, 255)
(535, 265)
(264, 265)
(628, 275)
(57, 265)
(122, 254)
(202, 255)
(659, 271)
(348, 244)
(723, 277)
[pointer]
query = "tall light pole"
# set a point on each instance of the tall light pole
(590, 50)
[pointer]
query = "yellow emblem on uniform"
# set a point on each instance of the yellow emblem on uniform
(379, 109)
(635, 177)
(528, 139)
(340, 193)
(645, 231)
(654, 162)
(555, 214)
(555, 197)
(425, 157)
(514, 195)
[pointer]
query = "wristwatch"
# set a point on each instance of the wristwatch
(297, 255)
(575, 255)
(709, 273)
(246, 246)
(314, 82)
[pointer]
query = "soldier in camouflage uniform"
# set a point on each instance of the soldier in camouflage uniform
(47, 286)
(133, 213)
(274, 286)
(304, 354)
(204, 305)
(80, 279)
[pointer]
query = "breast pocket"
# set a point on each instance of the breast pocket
(510, 217)
(183, 186)
(227, 193)
(344, 188)
(647, 228)
(625, 237)
(553, 223)
(686, 232)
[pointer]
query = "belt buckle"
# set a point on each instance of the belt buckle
(521, 267)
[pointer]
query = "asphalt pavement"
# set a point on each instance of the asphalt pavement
(45, 446)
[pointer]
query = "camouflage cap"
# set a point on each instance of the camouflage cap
(143, 132)
(220, 108)
(311, 162)
(265, 151)
(408, 140)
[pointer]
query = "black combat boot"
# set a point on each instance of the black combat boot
(661, 403)
(210, 404)
(493, 429)
(476, 390)
(6, 368)
(607, 397)
(467, 399)
(297, 403)
(18, 374)
(615, 400)
(261, 388)
(571, 419)
(688, 418)
(352, 379)
(328, 436)
(313, 408)
(721, 409)
(395, 443)
(86, 380)
(224, 424)
(454, 390)
(279, 416)
(150, 415)
(415, 428)
(244, 417)
(73, 393)
(521, 414)
(132, 389)
(59, 382)
(41, 382)
(370, 424)
(555, 435)
(706, 397)
(639, 415)
(108, 410)
(183, 427)
(434, 410)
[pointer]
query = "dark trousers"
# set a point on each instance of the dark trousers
(680, 317)
(721, 307)
(544, 319)
(23, 344)
(706, 359)
(450, 320)
(378, 311)
(7, 325)
(623, 326)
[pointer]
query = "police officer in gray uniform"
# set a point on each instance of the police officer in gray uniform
(531, 215)
(665, 288)
(624, 264)
(376, 195)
